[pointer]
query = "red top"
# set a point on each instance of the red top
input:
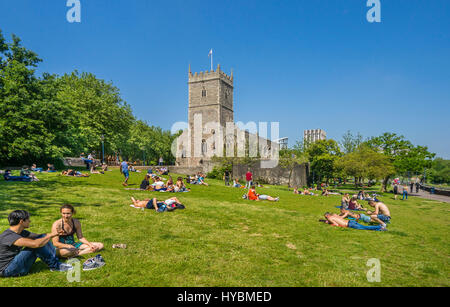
(252, 195)
(249, 176)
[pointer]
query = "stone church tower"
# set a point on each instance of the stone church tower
(211, 106)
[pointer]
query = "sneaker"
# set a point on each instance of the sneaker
(277, 199)
(63, 268)
(383, 228)
(91, 264)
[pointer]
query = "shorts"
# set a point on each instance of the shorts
(384, 218)
(263, 197)
(169, 202)
(365, 218)
(126, 174)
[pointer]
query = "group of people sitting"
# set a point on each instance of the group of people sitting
(20, 248)
(379, 215)
(198, 178)
(158, 184)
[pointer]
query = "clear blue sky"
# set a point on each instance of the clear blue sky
(306, 64)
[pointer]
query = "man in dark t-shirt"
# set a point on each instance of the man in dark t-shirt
(20, 248)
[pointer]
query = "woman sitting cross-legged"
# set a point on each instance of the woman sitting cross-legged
(65, 245)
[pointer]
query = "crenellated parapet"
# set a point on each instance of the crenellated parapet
(210, 75)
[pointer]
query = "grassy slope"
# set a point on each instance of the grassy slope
(223, 240)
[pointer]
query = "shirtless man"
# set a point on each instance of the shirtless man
(381, 214)
(336, 220)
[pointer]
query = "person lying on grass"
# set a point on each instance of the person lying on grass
(26, 172)
(20, 248)
(159, 206)
(65, 244)
(339, 221)
(252, 195)
(381, 213)
(72, 173)
(8, 177)
(94, 171)
(362, 217)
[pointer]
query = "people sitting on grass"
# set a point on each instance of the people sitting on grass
(159, 206)
(180, 187)
(34, 168)
(252, 195)
(353, 204)
(73, 173)
(339, 221)
(20, 248)
(307, 191)
(9, 177)
(201, 179)
(67, 227)
(145, 184)
(93, 169)
(381, 213)
(26, 172)
(104, 167)
(237, 184)
(159, 185)
(345, 201)
(170, 187)
(51, 168)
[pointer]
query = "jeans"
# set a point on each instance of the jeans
(22, 263)
(249, 184)
(405, 194)
(355, 225)
(227, 180)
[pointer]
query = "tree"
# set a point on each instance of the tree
(323, 155)
(32, 122)
(351, 142)
(404, 156)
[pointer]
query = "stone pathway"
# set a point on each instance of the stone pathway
(427, 195)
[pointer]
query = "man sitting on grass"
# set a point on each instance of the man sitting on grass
(336, 220)
(381, 214)
(159, 206)
(252, 195)
(20, 248)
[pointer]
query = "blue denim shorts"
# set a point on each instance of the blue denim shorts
(384, 218)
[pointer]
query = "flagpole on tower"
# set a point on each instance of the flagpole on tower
(211, 56)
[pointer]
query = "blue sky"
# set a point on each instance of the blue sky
(306, 64)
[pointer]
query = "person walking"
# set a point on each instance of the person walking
(124, 171)
(161, 161)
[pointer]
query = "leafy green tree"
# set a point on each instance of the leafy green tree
(32, 122)
(323, 155)
(351, 142)
(290, 158)
(404, 156)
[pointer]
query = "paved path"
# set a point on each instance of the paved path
(427, 195)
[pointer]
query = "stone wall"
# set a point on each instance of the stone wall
(275, 176)
(78, 162)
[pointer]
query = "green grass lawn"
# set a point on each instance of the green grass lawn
(224, 240)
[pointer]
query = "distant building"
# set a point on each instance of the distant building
(283, 142)
(314, 135)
